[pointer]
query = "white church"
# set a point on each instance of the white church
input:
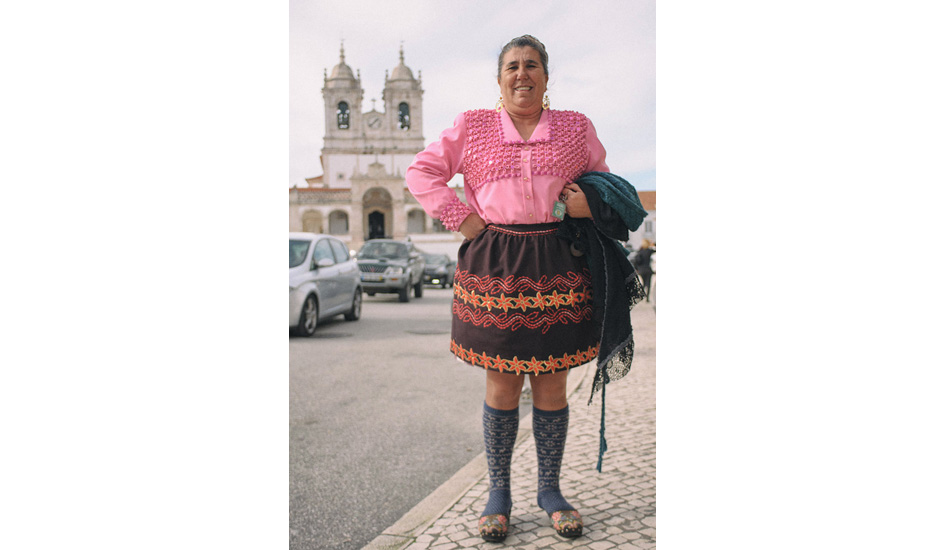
(362, 192)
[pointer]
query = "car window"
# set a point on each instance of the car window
(323, 251)
(390, 251)
(298, 252)
(339, 251)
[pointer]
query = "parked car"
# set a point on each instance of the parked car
(324, 282)
(389, 266)
(440, 269)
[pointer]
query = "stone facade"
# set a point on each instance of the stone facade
(362, 192)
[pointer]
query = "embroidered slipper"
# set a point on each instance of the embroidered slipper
(494, 527)
(567, 523)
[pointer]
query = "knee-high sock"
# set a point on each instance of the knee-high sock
(501, 430)
(550, 434)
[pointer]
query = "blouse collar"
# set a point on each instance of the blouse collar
(510, 134)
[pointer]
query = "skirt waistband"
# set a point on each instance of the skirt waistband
(525, 229)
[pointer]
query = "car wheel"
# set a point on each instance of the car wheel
(444, 283)
(404, 292)
(418, 289)
(354, 313)
(308, 317)
(371, 294)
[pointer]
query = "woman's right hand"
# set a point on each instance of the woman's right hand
(472, 226)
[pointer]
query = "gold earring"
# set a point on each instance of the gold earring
(500, 104)
(546, 102)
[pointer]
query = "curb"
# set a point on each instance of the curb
(404, 532)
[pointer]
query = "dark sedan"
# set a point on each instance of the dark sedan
(440, 270)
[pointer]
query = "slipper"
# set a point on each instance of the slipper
(567, 523)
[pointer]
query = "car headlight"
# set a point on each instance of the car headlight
(394, 270)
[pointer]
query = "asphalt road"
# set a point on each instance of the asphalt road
(381, 414)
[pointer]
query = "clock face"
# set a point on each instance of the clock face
(374, 122)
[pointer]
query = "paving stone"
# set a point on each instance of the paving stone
(548, 541)
(470, 542)
(619, 539)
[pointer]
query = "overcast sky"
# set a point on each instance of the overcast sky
(602, 63)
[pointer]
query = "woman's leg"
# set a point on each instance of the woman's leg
(550, 421)
(500, 426)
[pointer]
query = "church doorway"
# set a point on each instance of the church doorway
(377, 214)
(377, 225)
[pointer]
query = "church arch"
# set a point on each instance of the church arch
(312, 221)
(416, 221)
(339, 223)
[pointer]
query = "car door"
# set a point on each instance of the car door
(348, 273)
(326, 277)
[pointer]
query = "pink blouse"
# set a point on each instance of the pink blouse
(507, 180)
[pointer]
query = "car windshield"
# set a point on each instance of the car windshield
(390, 251)
(298, 252)
(436, 259)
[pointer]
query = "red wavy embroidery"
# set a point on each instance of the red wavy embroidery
(512, 284)
(563, 299)
(515, 321)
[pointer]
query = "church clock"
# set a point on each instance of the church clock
(374, 122)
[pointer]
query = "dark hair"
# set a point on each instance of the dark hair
(525, 41)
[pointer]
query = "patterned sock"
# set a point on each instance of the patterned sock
(501, 430)
(550, 434)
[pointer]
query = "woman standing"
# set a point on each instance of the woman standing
(522, 302)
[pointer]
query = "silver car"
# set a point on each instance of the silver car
(324, 282)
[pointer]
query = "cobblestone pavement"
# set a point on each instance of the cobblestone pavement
(618, 505)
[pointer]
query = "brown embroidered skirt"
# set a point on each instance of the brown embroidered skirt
(522, 302)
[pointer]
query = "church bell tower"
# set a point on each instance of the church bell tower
(403, 103)
(343, 100)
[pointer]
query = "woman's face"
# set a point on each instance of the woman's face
(522, 81)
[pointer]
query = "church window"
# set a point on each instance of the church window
(403, 116)
(343, 115)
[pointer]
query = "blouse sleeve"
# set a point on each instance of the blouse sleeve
(428, 176)
(597, 162)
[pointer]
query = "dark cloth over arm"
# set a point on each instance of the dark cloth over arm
(616, 209)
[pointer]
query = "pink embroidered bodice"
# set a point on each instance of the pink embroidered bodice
(507, 180)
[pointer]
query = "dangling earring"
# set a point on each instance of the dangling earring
(546, 102)
(500, 104)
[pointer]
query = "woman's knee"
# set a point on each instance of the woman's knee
(549, 391)
(503, 390)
